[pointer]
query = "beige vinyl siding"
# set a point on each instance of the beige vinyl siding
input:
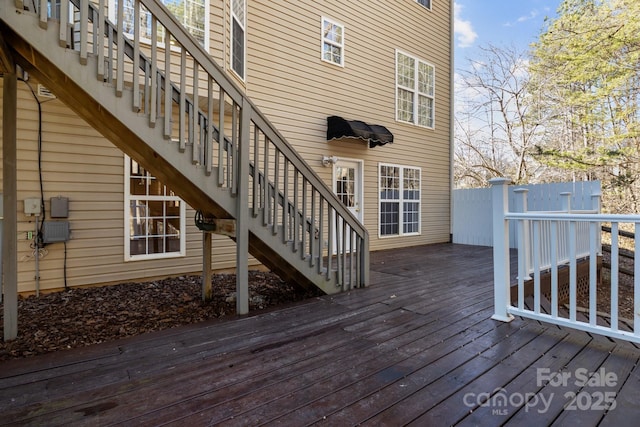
(296, 90)
(80, 164)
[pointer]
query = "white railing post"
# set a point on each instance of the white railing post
(501, 258)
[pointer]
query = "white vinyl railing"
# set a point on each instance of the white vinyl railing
(549, 232)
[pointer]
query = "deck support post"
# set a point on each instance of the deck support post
(242, 211)
(207, 289)
(10, 203)
(501, 261)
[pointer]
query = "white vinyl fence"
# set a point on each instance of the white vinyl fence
(472, 214)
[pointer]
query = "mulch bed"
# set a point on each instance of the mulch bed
(83, 316)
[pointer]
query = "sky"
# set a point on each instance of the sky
(503, 23)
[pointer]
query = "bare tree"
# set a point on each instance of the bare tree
(494, 132)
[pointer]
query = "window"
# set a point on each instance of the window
(154, 216)
(238, 11)
(332, 42)
(415, 82)
(399, 200)
(191, 13)
(425, 3)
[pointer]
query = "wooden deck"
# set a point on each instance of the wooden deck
(417, 347)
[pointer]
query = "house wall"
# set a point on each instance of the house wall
(295, 89)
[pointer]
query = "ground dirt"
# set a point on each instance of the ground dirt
(83, 316)
(603, 296)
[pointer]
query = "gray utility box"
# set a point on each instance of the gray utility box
(59, 207)
(55, 231)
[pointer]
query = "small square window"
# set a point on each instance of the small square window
(332, 42)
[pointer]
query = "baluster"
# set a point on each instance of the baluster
(266, 213)
(276, 189)
(43, 13)
(296, 211)
(147, 86)
(221, 143)
(154, 72)
(573, 271)
(234, 151)
(338, 244)
(285, 200)
(120, 52)
(345, 239)
(320, 241)
(594, 229)
(554, 269)
(195, 154)
(614, 275)
(209, 144)
(352, 246)
(229, 160)
(312, 228)
(201, 137)
(536, 267)
(99, 29)
(358, 260)
(136, 57)
(306, 228)
(109, 62)
(64, 22)
(168, 92)
(95, 30)
(256, 171)
(183, 100)
(84, 30)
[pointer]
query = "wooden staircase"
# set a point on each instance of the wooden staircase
(177, 113)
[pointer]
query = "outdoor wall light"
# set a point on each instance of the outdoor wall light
(329, 160)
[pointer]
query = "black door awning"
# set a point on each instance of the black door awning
(375, 135)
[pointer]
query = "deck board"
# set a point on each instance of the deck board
(417, 347)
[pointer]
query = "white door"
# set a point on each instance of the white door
(347, 185)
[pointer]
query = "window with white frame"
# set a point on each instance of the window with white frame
(399, 189)
(332, 42)
(154, 216)
(415, 81)
(425, 3)
(191, 13)
(238, 20)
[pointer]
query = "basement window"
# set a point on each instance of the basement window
(154, 216)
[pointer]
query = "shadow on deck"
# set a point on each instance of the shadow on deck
(416, 347)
